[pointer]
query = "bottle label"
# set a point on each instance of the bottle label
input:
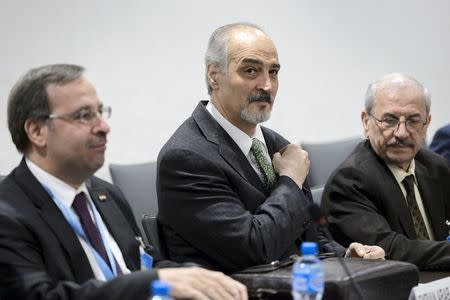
(308, 282)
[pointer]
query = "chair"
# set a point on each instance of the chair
(152, 231)
(138, 184)
(326, 157)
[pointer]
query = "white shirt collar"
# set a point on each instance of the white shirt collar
(400, 174)
(61, 190)
(243, 141)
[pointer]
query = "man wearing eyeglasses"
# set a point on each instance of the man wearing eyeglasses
(65, 234)
(390, 191)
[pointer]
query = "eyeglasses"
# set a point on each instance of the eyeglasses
(84, 115)
(413, 124)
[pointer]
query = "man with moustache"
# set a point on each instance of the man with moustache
(221, 202)
(390, 191)
(65, 234)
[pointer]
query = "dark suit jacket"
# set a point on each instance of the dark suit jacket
(441, 142)
(213, 207)
(365, 203)
(40, 255)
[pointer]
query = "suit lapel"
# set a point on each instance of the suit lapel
(117, 225)
(55, 220)
(432, 202)
(273, 143)
(394, 195)
(228, 149)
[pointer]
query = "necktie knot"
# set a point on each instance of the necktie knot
(80, 203)
(264, 165)
(408, 182)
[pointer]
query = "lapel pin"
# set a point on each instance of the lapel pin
(102, 197)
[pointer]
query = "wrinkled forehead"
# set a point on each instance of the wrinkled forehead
(246, 42)
(400, 94)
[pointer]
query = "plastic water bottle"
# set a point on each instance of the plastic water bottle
(307, 274)
(160, 290)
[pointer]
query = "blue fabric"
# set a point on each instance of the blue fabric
(441, 142)
(76, 226)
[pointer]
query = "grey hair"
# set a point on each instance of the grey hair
(398, 79)
(217, 51)
(28, 98)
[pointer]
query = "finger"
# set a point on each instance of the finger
(186, 291)
(374, 254)
(357, 249)
(238, 290)
(209, 287)
(369, 248)
(281, 151)
(243, 295)
(230, 285)
(218, 286)
(375, 251)
(371, 255)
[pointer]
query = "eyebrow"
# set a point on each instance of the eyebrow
(416, 115)
(258, 62)
(88, 107)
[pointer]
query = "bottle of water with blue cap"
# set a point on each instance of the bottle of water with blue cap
(160, 290)
(307, 274)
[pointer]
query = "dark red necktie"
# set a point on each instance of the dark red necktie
(92, 232)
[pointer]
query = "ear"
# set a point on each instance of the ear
(212, 75)
(365, 123)
(36, 132)
(428, 121)
(425, 129)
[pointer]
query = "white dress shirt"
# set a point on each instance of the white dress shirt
(399, 175)
(243, 140)
(66, 194)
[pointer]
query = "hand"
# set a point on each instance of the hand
(363, 251)
(292, 161)
(201, 284)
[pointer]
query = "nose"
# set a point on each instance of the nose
(401, 131)
(266, 83)
(101, 126)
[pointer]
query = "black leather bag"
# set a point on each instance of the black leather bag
(377, 279)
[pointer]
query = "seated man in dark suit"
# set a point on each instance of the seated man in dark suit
(65, 234)
(441, 142)
(221, 202)
(389, 191)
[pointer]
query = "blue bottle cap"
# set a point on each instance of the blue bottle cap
(308, 248)
(160, 288)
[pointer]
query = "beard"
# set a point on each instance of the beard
(261, 115)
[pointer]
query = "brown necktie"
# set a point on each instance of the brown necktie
(419, 224)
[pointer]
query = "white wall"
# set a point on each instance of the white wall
(146, 60)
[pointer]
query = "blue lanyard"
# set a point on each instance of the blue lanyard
(72, 219)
